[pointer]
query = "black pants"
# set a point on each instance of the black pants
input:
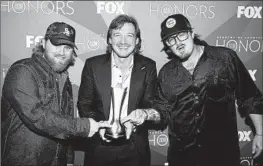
(126, 155)
(196, 156)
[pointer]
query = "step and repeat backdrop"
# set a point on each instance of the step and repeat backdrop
(233, 24)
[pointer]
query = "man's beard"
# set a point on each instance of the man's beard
(185, 58)
(59, 66)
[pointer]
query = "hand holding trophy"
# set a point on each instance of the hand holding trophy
(116, 134)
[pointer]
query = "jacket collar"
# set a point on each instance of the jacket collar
(42, 62)
(206, 54)
(39, 59)
(138, 61)
(138, 70)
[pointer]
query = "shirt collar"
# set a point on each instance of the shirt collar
(113, 63)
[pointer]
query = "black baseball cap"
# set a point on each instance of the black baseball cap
(61, 33)
(174, 24)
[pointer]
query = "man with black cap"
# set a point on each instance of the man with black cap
(196, 95)
(37, 111)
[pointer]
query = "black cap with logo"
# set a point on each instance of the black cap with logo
(174, 24)
(61, 33)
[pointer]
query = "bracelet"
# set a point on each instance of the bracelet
(145, 113)
(259, 134)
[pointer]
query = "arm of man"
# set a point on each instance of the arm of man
(162, 106)
(257, 141)
(158, 116)
(149, 115)
(86, 104)
(21, 89)
(152, 115)
(249, 101)
(139, 116)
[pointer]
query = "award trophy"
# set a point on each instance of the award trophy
(116, 134)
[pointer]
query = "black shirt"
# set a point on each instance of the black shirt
(199, 109)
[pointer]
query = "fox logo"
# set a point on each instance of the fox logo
(249, 12)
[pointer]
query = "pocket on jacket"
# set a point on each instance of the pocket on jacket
(49, 96)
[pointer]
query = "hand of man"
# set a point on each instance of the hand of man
(102, 135)
(136, 117)
(129, 128)
(257, 146)
(95, 126)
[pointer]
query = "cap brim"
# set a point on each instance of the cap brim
(171, 34)
(61, 41)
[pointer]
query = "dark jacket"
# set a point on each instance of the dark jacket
(36, 119)
(94, 93)
(200, 110)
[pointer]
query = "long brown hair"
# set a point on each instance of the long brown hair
(117, 23)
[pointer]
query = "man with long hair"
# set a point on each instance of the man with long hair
(196, 95)
(37, 111)
(122, 67)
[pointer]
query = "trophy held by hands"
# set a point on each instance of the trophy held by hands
(116, 134)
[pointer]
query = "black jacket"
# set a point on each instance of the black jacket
(36, 119)
(94, 93)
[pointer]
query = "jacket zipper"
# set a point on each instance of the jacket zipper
(58, 94)
(58, 98)
(56, 157)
